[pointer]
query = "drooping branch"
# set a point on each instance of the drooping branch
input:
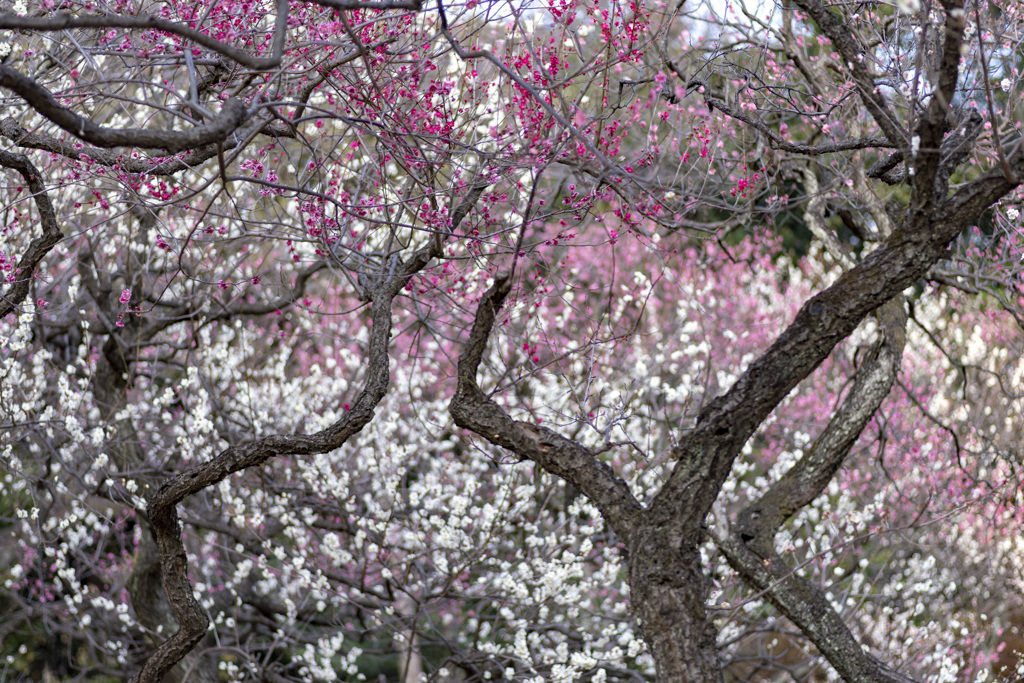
(750, 544)
(563, 457)
(232, 115)
(40, 246)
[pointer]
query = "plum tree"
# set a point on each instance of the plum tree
(477, 341)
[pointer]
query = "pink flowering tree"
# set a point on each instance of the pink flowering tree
(508, 341)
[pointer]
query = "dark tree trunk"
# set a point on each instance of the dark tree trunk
(668, 593)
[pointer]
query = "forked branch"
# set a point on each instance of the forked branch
(232, 115)
(855, 58)
(162, 508)
(706, 453)
(750, 544)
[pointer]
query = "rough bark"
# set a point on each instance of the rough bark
(750, 544)
(145, 584)
(665, 570)
(565, 458)
(667, 583)
(668, 596)
(162, 508)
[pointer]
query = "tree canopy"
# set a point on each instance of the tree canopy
(544, 340)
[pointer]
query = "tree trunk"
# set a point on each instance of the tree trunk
(668, 593)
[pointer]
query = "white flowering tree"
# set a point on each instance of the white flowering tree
(364, 340)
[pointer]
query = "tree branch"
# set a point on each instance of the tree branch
(277, 304)
(776, 141)
(847, 46)
(414, 5)
(706, 453)
(40, 246)
(16, 133)
(925, 162)
(233, 115)
(563, 457)
(162, 508)
(750, 544)
(61, 22)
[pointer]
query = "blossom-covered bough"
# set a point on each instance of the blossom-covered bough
(667, 579)
(289, 285)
